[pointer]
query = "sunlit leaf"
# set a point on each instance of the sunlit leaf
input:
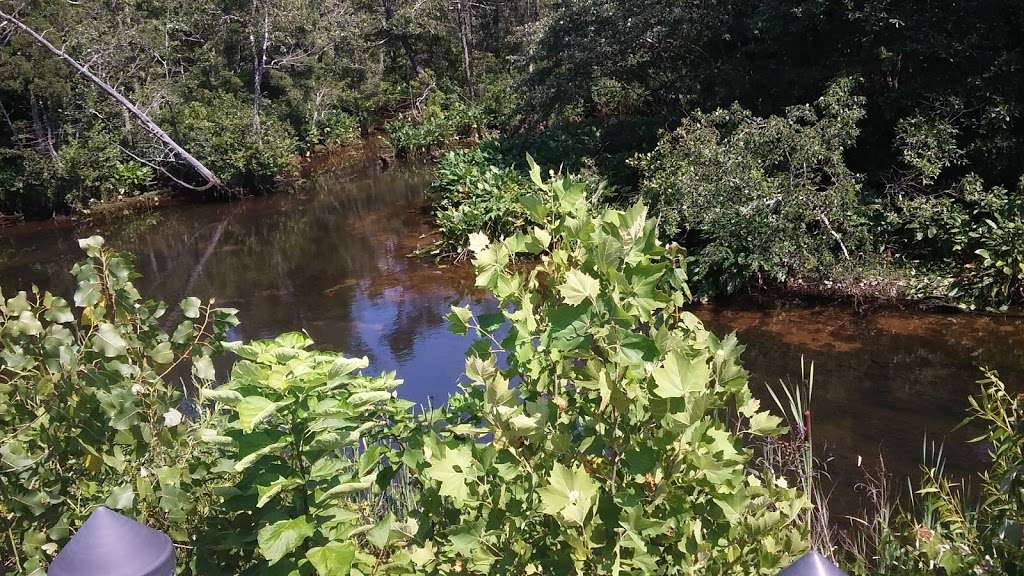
(680, 375)
(108, 341)
(579, 286)
(333, 558)
(281, 538)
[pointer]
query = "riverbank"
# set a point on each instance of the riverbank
(883, 291)
(348, 157)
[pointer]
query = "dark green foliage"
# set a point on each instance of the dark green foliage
(444, 120)
(972, 233)
(307, 74)
(960, 62)
(28, 183)
(476, 192)
(330, 128)
(92, 167)
(86, 169)
(942, 101)
(761, 198)
(220, 132)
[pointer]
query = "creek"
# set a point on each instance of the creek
(331, 258)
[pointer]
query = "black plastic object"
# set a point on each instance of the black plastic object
(109, 544)
(812, 564)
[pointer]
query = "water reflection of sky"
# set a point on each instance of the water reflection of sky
(429, 359)
(331, 259)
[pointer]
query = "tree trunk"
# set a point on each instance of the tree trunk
(403, 41)
(44, 144)
(259, 64)
(465, 18)
(7, 119)
(211, 180)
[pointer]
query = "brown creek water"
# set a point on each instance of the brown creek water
(332, 258)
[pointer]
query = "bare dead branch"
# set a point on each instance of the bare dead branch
(147, 123)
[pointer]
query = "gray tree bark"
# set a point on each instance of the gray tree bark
(464, 14)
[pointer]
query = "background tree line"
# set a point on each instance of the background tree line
(241, 85)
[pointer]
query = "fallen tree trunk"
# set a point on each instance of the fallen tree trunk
(210, 178)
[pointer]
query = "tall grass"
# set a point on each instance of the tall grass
(793, 456)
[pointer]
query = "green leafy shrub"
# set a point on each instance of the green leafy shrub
(28, 183)
(475, 193)
(87, 415)
(927, 147)
(975, 234)
(610, 437)
(93, 167)
(221, 134)
(761, 197)
(603, 428)
(311, 456)
(949, 531)
(443, 120)
(330, 128)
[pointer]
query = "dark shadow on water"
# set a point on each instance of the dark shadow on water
(882, 381)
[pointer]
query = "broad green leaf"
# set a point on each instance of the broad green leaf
(59, 311)
(185, 332)
(172, 418)
(680, 375)
(190, 307)
(453, 470)
(254, 409)
(333, 558)
(579, 286)
(108, 341)
(14, 456)
(764, 423)
(18, 304)
(535, 173)
(570, 494)
(119, 404)
(253, 456)
(348, 487)
(202, 368)
(380, 534)
(27, 323)
(121, 498)
(281, 538)
(535, 207)
(162, 353)
(478, 242)
(543, 237)
(222, 395)
(458, 320)
(343, 366)
(211, 436)
(91, 245)
(267, 492)
(363, 398)
(422, 556)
